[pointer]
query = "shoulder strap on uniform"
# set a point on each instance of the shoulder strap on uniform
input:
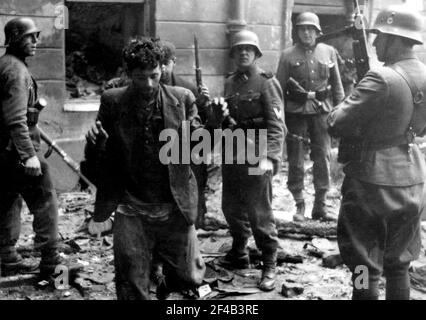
(417, 94)
(230, 74)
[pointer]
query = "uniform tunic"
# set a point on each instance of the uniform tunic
(255, 102)
(383, 192)
(19, 141)
(314, 68)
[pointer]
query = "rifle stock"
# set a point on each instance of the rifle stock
(66, 158)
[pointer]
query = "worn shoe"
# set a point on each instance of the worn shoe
(268, 279)
(319, 212)
(14, 264)
(234, 261)
(299, 216)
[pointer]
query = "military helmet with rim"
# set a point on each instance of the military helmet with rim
(18, 28)
(400, 21)
(246, 37)
(308, 19)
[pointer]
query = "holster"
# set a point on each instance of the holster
(32, 116)
(297, 96)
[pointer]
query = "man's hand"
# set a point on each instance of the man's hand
(33, 167)
(97, 228)
(203, 96)
(266, 165)
(97, 134)
(218, 112)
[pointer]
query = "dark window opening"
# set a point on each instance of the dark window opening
(94, 41)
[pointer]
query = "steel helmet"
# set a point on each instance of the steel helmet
(17, 28)
(400, 21)
(308, 19)
(246, 37)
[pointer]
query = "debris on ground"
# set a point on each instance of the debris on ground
(309, 264)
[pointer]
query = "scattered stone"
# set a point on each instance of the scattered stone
(290, 290)
(332, 260)
(283, 257)
(204, 291)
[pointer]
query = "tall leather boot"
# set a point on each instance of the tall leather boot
(237, 257)
(319, 210)
(269, 276)
(398, 288)
(299, 216)
(371, 292)
(299, 198)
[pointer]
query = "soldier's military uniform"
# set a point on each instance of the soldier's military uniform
(19, 141)
(246, 199)
(383, 191)
(315, 69)
(255, 101)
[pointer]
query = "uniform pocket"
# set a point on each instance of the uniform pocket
(298, 69)
(324, 70)
(250, 106)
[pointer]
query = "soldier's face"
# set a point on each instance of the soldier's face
(146, 81)
(167, 69)
(307, 35)
(244, 56)
(380, 43)
(28, 44)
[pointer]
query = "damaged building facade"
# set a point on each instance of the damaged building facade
(81, 41)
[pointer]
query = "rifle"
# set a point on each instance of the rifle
(41, 103)
(357, 30)
(198, 75)
(349, 149)
(198, 78)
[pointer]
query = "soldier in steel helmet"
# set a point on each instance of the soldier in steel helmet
(309, 76)
(24, 171)
(254, 101)
(384, 191)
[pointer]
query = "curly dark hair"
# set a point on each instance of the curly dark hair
(143, 52)
(169, 51)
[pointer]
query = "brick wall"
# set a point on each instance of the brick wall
(179, 21)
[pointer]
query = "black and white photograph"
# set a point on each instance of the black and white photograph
(212, 155)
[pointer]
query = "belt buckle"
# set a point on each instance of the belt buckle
(311, 95)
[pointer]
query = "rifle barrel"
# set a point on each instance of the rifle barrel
(197, 60)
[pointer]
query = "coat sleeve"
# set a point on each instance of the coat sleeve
(357, 110)
(283, 72)
(106, 163)
(272, 96)
(14, 108)
(336, 81)
(191, 111)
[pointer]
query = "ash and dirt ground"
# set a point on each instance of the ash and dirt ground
(318, 282)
